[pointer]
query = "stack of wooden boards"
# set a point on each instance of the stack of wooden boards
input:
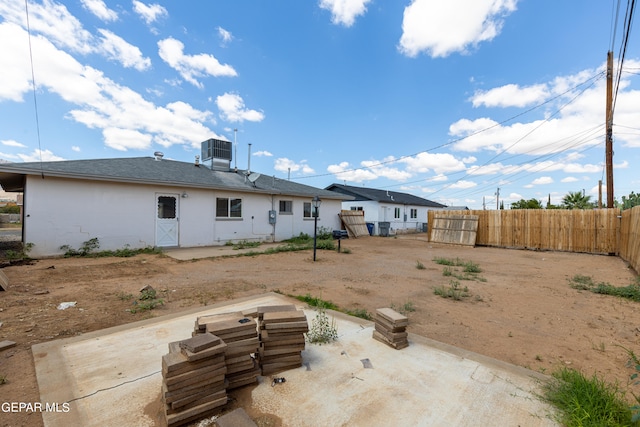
(282, 330)
(227, 351)
(390, 328)
(241, 336)
(193, 379)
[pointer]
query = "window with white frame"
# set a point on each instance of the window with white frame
(286, 207)
(306, 210)
(396, 213)
(356, 208)
(414, 213)
(228, 208)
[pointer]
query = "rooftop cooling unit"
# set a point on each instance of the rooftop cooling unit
(218, 151)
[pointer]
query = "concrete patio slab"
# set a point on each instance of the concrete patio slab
(112, 377)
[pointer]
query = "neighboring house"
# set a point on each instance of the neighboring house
(146, 201)
(396, 212)
(456, 208)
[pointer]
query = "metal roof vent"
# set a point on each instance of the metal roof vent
(159, 155)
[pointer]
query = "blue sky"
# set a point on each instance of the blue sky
(445, 100)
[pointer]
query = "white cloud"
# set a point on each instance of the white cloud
(232, 109)
(37, 155)
(50, 19)
(463, 184)
(54, 22)
(543, 180)
(12, 143)
(344, 12)
(438, 162)
(100, 9)
(510, 95)
(75, 148)
(345, 172)
(97, 101)
(515, 196)
(128, 55)
(576, 125)
(224, 35)
(149, 13)
(572, 128)
(262, 153)
(569, 179)
(442, 28)
(286, 165)
(124, 139)
(192, 67)
(438, 178)
(381, 170)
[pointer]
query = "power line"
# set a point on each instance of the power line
(591, 79)
(528, 133)
(33, 80)
(628, 21)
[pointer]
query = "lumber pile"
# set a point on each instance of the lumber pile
(193, 379)
(390, 328)
(240, 335)
(282, 330)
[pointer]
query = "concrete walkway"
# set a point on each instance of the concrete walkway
(112, 378)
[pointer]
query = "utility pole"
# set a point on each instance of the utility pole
(609, 130)
(599, 194)
(498, 199)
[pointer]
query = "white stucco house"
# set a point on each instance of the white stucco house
(389, 212)
(150, 201)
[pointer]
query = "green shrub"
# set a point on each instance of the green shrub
(88, 249)
(454, 291)
(322, 330)
(317, 302)
(586, 402)
(359, 312)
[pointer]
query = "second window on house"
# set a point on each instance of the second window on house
(228, 208)
(286, 206)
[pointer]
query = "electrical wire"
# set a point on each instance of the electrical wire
(593, 82)
(628, 21)
(33, 81)
(591, 79)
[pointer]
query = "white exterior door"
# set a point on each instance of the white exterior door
(167, 220)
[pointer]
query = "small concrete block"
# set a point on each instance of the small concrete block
(271, 308)
(393, 316)
(236, 418)
(4, 281)
(6, 344)
(200, 342)
(284, 316)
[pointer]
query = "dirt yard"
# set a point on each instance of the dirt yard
(522, 311)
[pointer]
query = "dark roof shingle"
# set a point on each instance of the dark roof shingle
(364, 193)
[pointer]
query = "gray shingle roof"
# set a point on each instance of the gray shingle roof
(366, 194)
(148, 170)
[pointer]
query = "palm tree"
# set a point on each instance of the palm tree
(577, 200)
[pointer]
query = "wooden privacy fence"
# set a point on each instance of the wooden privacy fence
(630, 237)
(589, 231)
